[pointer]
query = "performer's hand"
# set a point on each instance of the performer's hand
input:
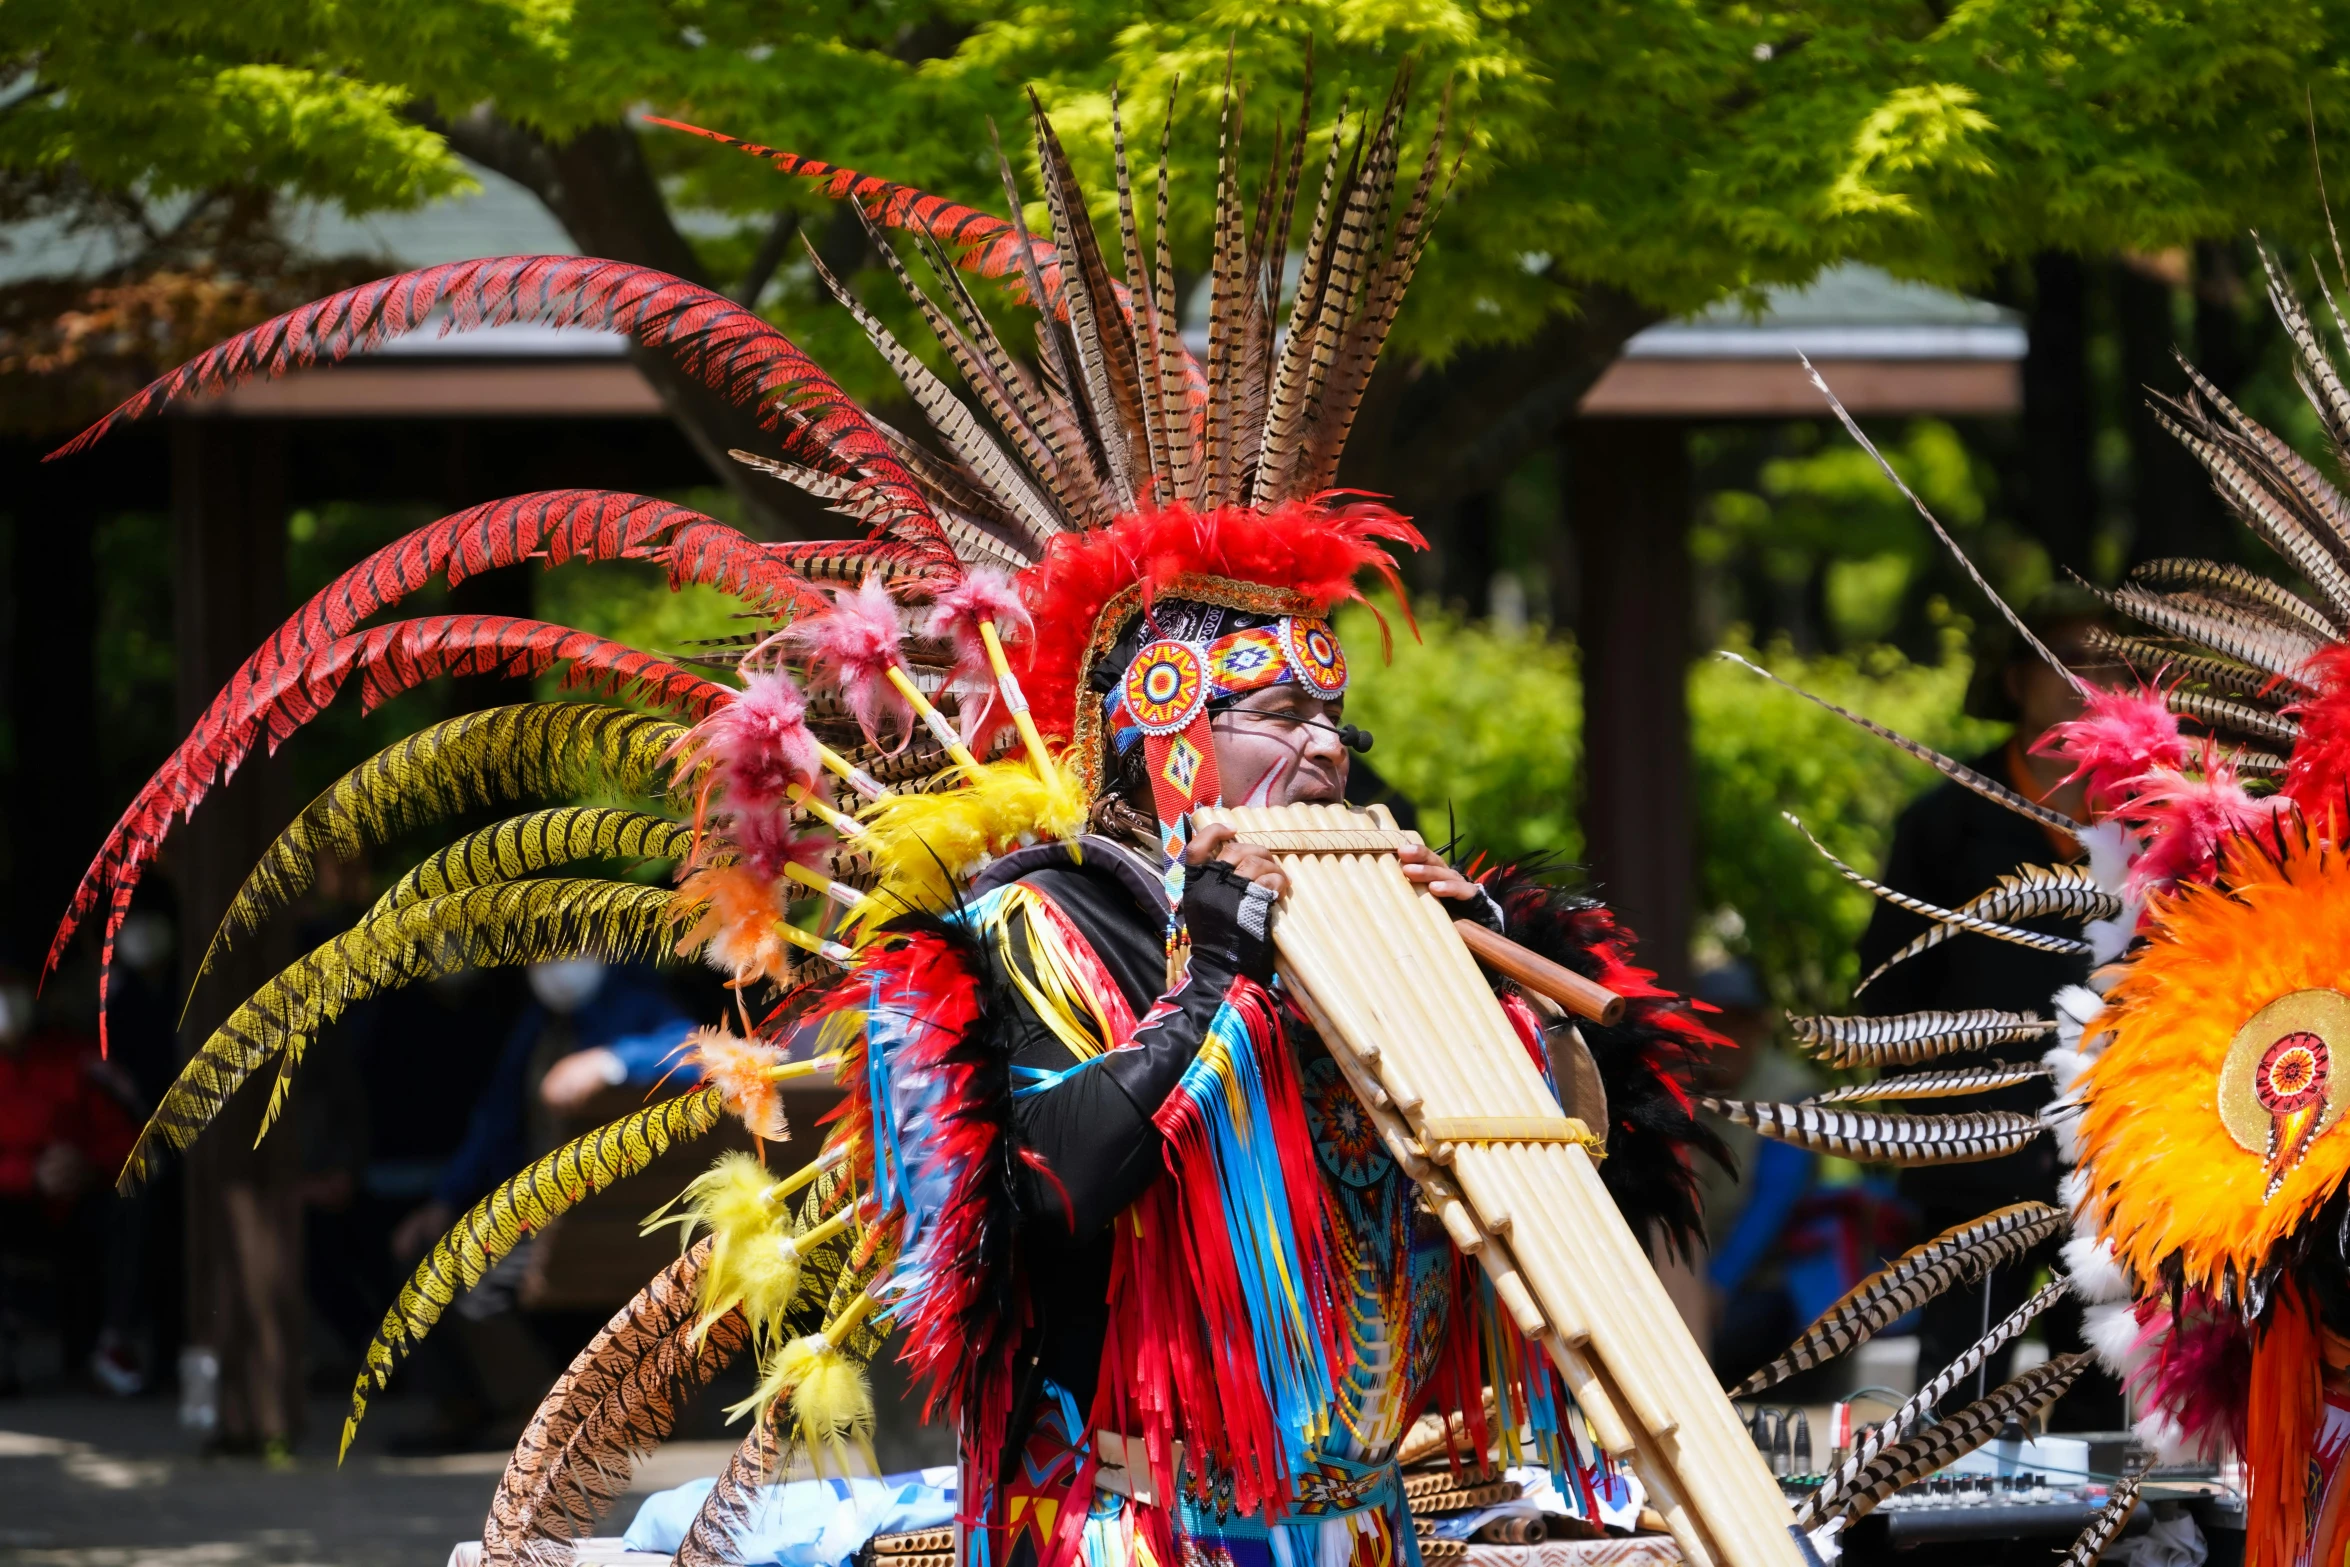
(1424, 867)
(1216, 845)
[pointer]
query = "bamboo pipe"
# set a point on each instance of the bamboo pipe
(1580, 1375)
(1592, 1002)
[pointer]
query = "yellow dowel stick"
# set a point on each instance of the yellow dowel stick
(1016, 700)
(809, 941)
(817, 1235)
(850, 773)
(808, 1068)
(932, 719)
(839, 892)
(840, 822)
(830, 1159)
(839, 1328)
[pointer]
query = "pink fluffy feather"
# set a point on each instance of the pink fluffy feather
(2201, 1373)
(853, 646)
(758, 744)
(768, 841)
(955, 616)
(2120, 737)
(2185, 818)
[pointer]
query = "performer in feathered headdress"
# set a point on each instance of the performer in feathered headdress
(1092, 1172)
(2199, 1100)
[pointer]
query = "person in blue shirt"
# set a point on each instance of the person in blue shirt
(590, 1028)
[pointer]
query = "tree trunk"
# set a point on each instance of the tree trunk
(52, 705)
(604, 194)
(2059, 429)
(2171, 499)
(1627, 483)
(244, 1217)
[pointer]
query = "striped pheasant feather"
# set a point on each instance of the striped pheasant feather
(1931, 1085)
(2033, 893)
(2151, 660)
(496, 756)
(1948, 1441)
(523, 846)
(2242, 587)
(519, 1206)
(1957, 772)
(1955, 1256)
(1909, 1038)
(2106, 1527)
(713, 1539)
(1877, 1137)
(2218, 712)
(1921, 1403)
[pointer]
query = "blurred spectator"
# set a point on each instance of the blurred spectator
(1800, 1230)
(1948, 846)
(63, 1134)
(590, 1029)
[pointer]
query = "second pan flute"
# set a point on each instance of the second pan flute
(1395, 993)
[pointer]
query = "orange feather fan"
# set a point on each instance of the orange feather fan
(2165, 1176)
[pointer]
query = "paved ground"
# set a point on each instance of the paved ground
(92, 1483)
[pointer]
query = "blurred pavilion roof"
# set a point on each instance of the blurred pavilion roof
(1886, 346)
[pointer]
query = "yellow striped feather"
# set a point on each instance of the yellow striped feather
(494, 1226)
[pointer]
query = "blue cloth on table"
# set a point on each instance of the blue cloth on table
(805, 1523)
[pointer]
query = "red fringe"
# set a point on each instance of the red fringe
(2288, 1399)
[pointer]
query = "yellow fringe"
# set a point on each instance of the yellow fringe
(924, 846)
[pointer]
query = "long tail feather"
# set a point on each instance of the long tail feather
(714, 1537)
(497, 756)
(1921, 1403)
(525, 1203)
(1944, 1444)
(1909, 1038)
(2090, 1546)
(1932, 1085)
(1912, 1141)
(1957, 772)
(509, 923)
(1955, 1256)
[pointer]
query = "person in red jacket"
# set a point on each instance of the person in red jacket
(63, 1134)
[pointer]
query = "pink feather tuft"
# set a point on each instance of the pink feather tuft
(955, 616)
(2120, 737)
(767, 841)
(853, 646)
(2185, 818)
(2318, 774)
(758, 744)
(2202, 1373)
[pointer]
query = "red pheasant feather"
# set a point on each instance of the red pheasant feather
(980, 242)
(734, 351)
(556, 525)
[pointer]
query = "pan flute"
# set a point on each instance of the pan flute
(1378, 968)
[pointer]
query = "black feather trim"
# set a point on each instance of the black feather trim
(1647, 1062)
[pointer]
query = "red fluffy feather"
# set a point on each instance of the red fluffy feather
(2121, 736)
(2317, 775)
(2185, 819)
(1316, 547)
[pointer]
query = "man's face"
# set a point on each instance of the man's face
(1279, 746)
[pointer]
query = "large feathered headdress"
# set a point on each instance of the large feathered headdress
(918, 700)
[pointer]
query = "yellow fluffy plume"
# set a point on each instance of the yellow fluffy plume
(923, 845)
(831, 1401)
(753, 1262)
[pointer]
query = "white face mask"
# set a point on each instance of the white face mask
(16, 1013)
(566, 984)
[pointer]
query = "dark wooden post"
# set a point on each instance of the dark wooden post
(244, 1216)
(52, 703)
(1628, 503)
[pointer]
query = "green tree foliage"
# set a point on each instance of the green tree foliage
(1667, 151)
(1486, 724)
